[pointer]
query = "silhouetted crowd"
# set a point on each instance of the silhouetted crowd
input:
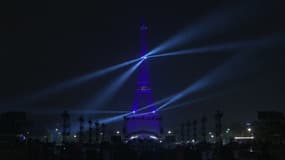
(137, 150)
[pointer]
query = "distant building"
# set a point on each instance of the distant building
(270, 127)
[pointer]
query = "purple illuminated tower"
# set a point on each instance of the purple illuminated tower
(144, 123)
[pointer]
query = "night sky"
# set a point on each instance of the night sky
(44, 44)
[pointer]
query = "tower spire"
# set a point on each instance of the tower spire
(143, 32)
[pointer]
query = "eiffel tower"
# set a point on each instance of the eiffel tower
(145, 124)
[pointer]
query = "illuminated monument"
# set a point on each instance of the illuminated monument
(144, 124)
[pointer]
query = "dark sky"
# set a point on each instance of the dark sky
(46, 43)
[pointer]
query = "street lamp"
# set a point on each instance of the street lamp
(228, 130)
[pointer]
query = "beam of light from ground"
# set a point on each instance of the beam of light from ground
(71, 111)
(190, 102)
(181, 104)
(97, 112)
(264, 42)
(154, 104)
(121, 117)
(237, 66)
(111, 89)
(140, 114)
(115, 118)
(76, 81)
(222, 19)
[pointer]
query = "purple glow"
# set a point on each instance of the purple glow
(143, 95)
(143, 123)
(144, 57)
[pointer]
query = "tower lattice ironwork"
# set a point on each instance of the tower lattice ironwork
(148, 121)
